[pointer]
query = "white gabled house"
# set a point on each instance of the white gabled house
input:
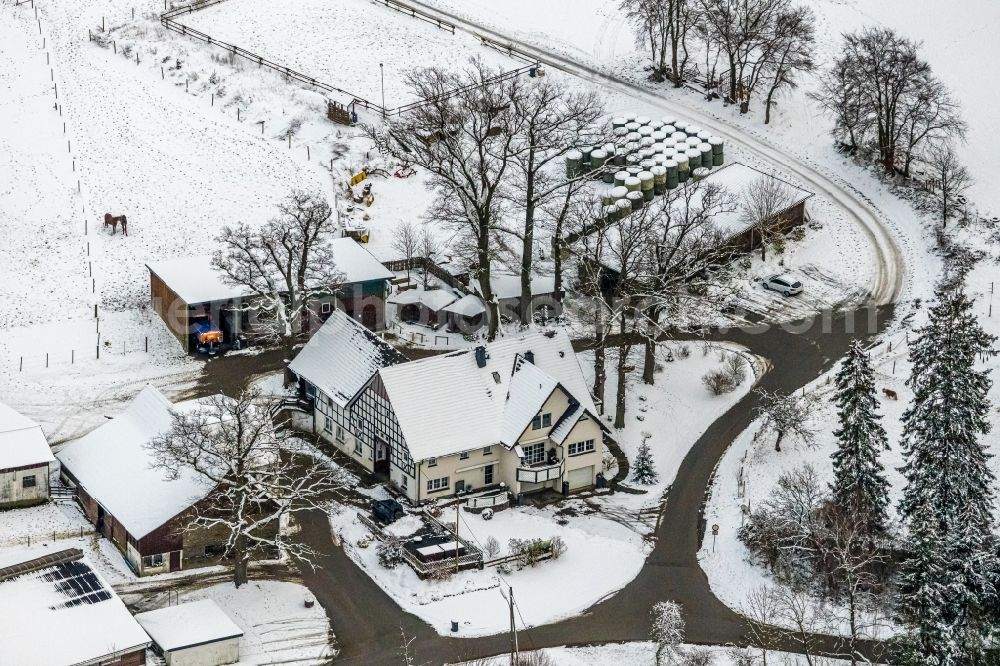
(515, 412)
(24, 461)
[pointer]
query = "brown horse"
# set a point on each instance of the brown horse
(112, 221)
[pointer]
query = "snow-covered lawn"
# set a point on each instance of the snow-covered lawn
(277, 626)
(645, 653)
(547, 592)
(41, 523)
(672, 414)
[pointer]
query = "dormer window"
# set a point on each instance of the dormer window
(541, 421)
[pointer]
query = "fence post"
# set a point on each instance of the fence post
(46, 359)
(72, 356)
(21, 366)
(147, 344)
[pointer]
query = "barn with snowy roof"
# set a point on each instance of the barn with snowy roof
(135, 504)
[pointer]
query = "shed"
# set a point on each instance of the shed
(422, 306)
(24, 460)
(198, 633)
(466, 314)
(193, 299)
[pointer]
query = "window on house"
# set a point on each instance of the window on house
(432, 462)
(214, 551)
(534, 453)
(152, 561)
(579, 448)
(487, 450)
(437, 485)
(325, 308)
(340, 434)
(541, 421)
(29, 481)
(357, 447)
(404, 481)
(464, 455)
(328, 424)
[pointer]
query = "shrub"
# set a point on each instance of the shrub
(558, 546)
(727, 378)
(528, 551)
(684, 351)
(491, 547)
(390, 553)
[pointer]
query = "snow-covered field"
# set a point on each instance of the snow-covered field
(343, 43)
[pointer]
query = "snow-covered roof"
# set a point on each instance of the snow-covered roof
(115, 468)
(356, 263)
(47, 619)
(434, 399)
(22, 442)
(506, 285)
(342, 356)
(187, 625)
(467, 306)
(736, 177)
(196, 280)
(432, 299)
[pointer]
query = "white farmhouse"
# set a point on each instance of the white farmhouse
(24, 461)
(198, 633)
(515, 413)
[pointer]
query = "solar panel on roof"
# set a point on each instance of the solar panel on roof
(78, 582)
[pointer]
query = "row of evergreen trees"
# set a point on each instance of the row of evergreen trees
(949, 574)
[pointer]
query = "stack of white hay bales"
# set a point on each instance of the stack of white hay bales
(644, 158)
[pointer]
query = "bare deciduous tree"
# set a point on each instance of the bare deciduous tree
(663, 26)
(553, 119)
(234, 445)
(789, 53)
(951, 179)
(463, 137)
(762, 203)
(880, 87)
(786, 415)
(285, 265)
(406, 243)
(761, 608)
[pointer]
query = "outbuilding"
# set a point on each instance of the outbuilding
(24, 461)
(198, 633)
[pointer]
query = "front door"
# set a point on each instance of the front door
(488, 475)
(175, 560)
(381, 457)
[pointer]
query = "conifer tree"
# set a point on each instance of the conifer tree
(946, 586)
(644, 471)
(859, 486)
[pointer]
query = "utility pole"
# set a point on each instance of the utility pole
(513, 628)
(381, 71)
(458, 508)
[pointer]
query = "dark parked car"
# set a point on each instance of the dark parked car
(387, 511)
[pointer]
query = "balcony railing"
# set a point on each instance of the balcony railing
(541, 472)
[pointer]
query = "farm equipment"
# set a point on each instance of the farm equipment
(208, 336)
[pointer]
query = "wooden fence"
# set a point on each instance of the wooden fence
(416, 13)
(169, 20)
(460, 281)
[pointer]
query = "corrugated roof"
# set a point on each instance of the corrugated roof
(342, 356)
(115, 468)
(64, 614)
(447, 404)
(22, 441)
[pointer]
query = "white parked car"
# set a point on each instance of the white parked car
(787, 285)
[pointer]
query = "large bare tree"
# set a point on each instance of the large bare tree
(686, 258)
(950, 179)
(790, 52)
(553, 119)
(662, 26)
(234, 445)
(284, 265)
(463, 135)
(880, 87)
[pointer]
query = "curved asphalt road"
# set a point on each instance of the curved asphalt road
(368, 622)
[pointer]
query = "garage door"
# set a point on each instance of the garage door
(581, 478)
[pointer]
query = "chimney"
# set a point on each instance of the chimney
(529, 356)
(481, 356)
